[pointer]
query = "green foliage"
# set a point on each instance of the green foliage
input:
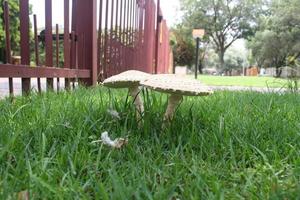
(42, 54)
(14, 14)
(224, 21)
(233, 60)
(267, 52)
(183, 46)
(14, 27)
(227, 146)
(277, 43)
(211, 59)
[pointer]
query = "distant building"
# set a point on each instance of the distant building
(181, 70)
(210, 71)
(286, 72)
(251, 71)
(262, 72)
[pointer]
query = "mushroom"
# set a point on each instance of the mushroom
(177, 87)
(130, 79)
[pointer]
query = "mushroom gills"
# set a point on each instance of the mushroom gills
(173, 102)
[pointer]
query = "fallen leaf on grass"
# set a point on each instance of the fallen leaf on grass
(24, 195)
(118, 143)
(114, 114)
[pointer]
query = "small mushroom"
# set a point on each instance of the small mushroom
(177, 87)
(130, 79)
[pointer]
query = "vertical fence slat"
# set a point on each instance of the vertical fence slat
(105, 41)
(121, 37)
(25, 47)
(8, 44)
(149, 35)
(94, 75)
(7, 32)
(116, 40)
(49, 39)
(141, 42)
(127, 51)
(117, 15)
(131, 22)
(36, 50)
(111, 53)
(67, 48)
(57, 53)
(135, 37)
(73, 54)
(99, 61)
(127, 23)
(124, 22)
(73, 29)
(87, 39)
(157, 35)
(124, 39)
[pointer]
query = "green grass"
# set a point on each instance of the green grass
(247, 81)
(230, 145)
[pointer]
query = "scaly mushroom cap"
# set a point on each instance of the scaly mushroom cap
(126, 79)
(174, 84)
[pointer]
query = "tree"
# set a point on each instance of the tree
(182, 46)
(233, 61)
(269, 49)
(14, 27)
(277, 43)
(224, 21)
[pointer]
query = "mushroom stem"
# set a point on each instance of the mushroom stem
(134, 92)
(174, 100)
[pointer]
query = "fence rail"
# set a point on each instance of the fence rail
(100, 38)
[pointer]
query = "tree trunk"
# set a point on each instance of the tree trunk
(200, 66)
(221, 59)
(278, 72)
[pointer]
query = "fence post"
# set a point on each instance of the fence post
(8, 44)
(25, 51)
(67, 54)
(158, 22)
(149, 36)
(86, 31)
(49, 40)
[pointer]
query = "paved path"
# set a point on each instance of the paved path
(4, 91)
(254, 89)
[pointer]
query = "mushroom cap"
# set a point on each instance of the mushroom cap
(174, 84)
(126, 79)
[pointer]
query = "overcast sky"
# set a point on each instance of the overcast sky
(170, 11)
(169, 8)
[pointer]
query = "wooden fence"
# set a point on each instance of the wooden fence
(100, 38)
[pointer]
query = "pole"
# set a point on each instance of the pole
(197, 57)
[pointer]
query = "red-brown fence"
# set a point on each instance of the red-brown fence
(130, 41)
(100, 38)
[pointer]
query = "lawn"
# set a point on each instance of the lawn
(231, 145)
(247, 81)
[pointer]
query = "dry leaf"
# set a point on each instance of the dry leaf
(117, 143)
(24, 195)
